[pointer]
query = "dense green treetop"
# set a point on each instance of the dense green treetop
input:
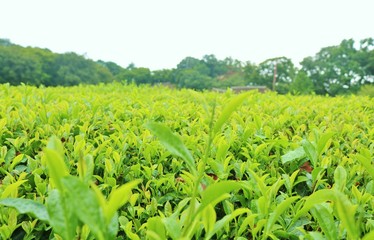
(36, 66)
(340, 69)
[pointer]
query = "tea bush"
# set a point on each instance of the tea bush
(126, 162)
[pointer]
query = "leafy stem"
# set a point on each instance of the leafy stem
(201, 171)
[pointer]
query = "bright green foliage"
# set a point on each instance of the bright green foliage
(128, 162)
(173, 144)
(367, 90)
(27, 206)
(73, 203)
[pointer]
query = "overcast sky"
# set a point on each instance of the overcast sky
(160, 33)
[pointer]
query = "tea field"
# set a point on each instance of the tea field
(125, 162)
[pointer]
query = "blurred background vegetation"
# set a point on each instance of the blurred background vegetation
(347, 68)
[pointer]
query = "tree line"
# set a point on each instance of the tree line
(342, 69)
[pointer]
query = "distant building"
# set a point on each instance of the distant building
(239, 89)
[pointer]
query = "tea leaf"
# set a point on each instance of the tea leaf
(344, 208)
(32, 207)
(365, 159)
(369, 236)
(12, 189)
(325, 220)
(173, 226)
(283, 206)
(118, 197)
(227, 111)
(209, 217)
(293, 155)
(324, 142)
(56, 165)
(156, 226)
(340, 177)
(311, 151)
(225, 220)
(260, 182)
(173, 144)
(61, 215)
(15, 161)
(129, 233)
(217, 192)
(78, 195)
(113, 227)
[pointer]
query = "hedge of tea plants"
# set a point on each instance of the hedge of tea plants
(126, 162)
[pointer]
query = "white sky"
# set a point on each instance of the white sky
(159, 34)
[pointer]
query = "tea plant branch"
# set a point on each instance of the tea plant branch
(201, 170)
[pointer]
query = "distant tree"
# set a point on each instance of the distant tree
(215, 66)
(335, 70)
(137, 75)
(210, 71)
(142, 75)
(73, 69)
(285, 72)
(19, 65)
(195, 64)
(36, 66)
(131, 66)
(192, 73)
(232, 65)
(190, 78)
(302, 84)
(365, 57)
(251, 74)
(5, 42)
(114, 68)
(162, 76)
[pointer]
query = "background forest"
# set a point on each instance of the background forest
(347, 68)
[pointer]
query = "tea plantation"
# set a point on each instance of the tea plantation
(125, 162)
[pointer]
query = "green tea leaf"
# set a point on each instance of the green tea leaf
(227, 111)
(113, 227)
(156, 226)
(173, 226)
(225, 220)
(311, 151)
(344, 208)
(281, 208)
(10, 154)
(118, 197)
(85, 204)
(28, 206)
(61, 214)
(12, 189)
(315, 236)
(291, 156)
(15, 161)
(340, 177)
(260, 182)
(217, 192)
(325, 221)
(208, 218)
(56, 165)
(290, 180)
(129, 232)
(324, 142)
(173, 144)
(365, 159)
(369, 236)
